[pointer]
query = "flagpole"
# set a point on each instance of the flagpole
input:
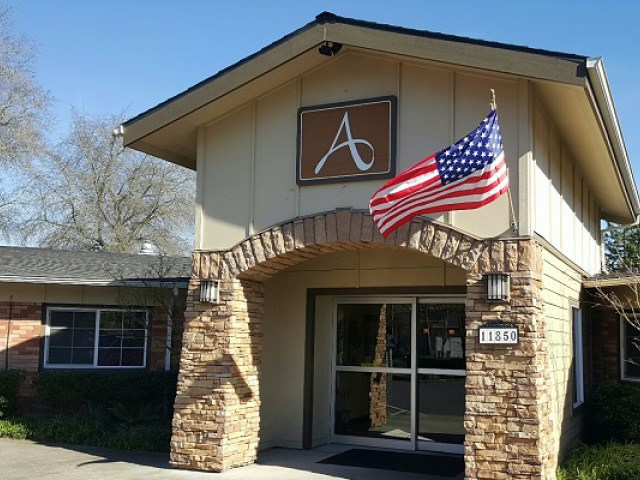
(514, 223)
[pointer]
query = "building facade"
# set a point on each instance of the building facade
(88, 311)
(322, 330)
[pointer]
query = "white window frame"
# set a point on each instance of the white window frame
(94, 366)
(578, 356)
(623, 351)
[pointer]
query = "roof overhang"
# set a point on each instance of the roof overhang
(613, 281)
(169, 130)
(89, 282)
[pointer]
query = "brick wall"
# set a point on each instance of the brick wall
(22, 329)
(605, 329)
(20, 334)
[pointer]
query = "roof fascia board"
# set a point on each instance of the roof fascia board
(610, 282)
(221, 84)
(521, 62)
(95, 283)
(605, 107)
(513, 61)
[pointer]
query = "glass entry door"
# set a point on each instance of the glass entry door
(399, 373)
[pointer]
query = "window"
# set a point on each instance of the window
(630, 351)
(94, 338)
(578, 359)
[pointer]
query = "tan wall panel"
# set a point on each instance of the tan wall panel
(322, 377)
(20, 292)
(228, 181)
(542, 222)
(562, 286)
(249, 186)
(564, 216)
(275, 151)
(555, 196)
(471, 103)
(568, 214)
(282, 375)
(350, 76)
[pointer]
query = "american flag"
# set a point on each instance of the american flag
(467, 175)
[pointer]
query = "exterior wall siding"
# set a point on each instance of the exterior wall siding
(562, 289)
(566, 212)
(256, 144)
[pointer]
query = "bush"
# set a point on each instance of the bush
(602, 462)
(94, 430)
(614, 414)
(13, 429)
(10, 382)
(108, 391)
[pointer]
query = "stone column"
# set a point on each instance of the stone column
(216, 418)
(507, 416)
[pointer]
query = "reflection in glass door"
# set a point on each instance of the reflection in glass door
(398, 373)
(441, 373)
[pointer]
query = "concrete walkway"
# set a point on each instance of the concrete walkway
(25, 460)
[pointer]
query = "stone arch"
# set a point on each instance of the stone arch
(217, 408)
(266, 253)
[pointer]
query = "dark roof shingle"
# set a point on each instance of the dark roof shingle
(39, 265)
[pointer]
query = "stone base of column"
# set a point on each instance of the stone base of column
(217, 410)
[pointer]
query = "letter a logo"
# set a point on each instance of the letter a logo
(351, 143)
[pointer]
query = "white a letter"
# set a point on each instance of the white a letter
(351, 143)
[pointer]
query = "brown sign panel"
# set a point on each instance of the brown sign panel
(348, 141)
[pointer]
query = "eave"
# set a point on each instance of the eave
(169, 130)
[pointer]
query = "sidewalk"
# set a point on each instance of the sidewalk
(25, 460)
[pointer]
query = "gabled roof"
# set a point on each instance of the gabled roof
(39, 265)
(574, 88)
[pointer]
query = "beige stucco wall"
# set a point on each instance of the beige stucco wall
(78, 294)
(562, 285)
(565, 211)
(282, 374)
(246, 159)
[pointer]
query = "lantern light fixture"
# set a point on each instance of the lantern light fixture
(210, 291)
(498, 286)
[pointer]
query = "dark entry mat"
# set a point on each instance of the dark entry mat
(445, 465)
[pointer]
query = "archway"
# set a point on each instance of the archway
(217, 415)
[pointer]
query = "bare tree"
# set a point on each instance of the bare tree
(164, 283)
(23, 104)
(24, 117)
(624, 299)
(90, 193)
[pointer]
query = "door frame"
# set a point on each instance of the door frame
(413, 371)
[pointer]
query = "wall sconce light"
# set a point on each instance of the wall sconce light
(498, 286)
(210, 291)
(329, 48)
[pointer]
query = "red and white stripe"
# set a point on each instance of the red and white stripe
(419, 191)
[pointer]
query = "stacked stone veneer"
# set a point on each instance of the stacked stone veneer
(216, 423)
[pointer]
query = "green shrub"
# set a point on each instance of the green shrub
(602, 462)
(10, 382)
(13, 429)
(613, 413)
(94, 430)
(82, 391)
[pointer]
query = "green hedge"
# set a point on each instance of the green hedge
(120, 393)
(10, 382)
(602, 462)
(94, 430)
(613, 413)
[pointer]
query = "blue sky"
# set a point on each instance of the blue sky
(129, 55)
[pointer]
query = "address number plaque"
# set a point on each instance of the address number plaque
(498, 334)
